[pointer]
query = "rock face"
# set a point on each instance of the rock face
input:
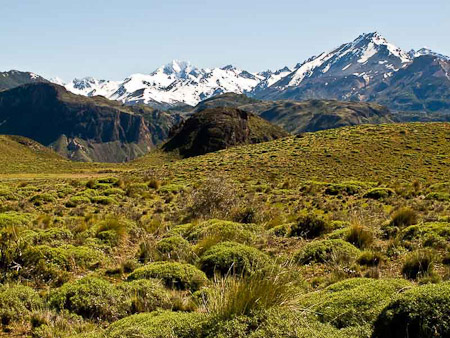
(220, 128)
(80, 128)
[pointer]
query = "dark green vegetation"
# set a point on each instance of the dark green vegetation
(220, 128)
(304, 116)
(82, 128)
(338, 233)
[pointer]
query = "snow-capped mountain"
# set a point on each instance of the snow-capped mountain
(426, 51)
(344, 73)
(175, 83)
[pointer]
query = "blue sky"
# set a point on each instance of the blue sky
(112, 39)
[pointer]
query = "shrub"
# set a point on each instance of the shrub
(145, 295)
(418, 264)
(417, 313)
(325, 251)
(14, 219)
(112, 230)
(360, 236)
(91, 298)
(17, 302)
(404, 217)
(336, 189)
(370, 258)
(223, 231)
(40, 199)
(173, 248)
(231, 257)
(438, 196)
(159, 324)
(154, 184)
(310, 226)
(174, 275)
(75, 201)
(379, 193)
(104, 200)
(430, 234)
(352, 302)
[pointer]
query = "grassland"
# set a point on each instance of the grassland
(340, 233)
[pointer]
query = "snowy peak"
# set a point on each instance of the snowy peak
(427, 51)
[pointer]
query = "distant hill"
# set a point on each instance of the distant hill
(81, 128)
(302, 116)
(15, 78)
(220, 128)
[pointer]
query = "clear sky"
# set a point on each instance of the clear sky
(113, 39)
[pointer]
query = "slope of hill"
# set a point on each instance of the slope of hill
(81, 128)
(15, 78)
(301, 116)
(220, 128)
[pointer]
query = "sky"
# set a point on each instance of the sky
(113, 39)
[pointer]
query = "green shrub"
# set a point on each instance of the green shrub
(51, 236)
(159, 324)
(418, 264)
(337, 189)
(326, 251)
(91, 298)
(174, 275)
(223, 231)
(379, 193)
(232, 257)
(14, 219)
(145, 295)
(310, 226)
(112, 230)
(352, 302)
(17, 302)
(105, 200)
(113, 191)
(173, 248)
(40, 199)
(429, 234)
(417, 313)
(438, 196)
(75, 201)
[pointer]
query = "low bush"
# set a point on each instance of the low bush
(418, 264)
(328, 250)
(75, 201)
(352, 302)
(310, 226)
(159, 324)
(145, 295)
(43, 198)
(90, 297)
(434, 234)
(17, 303)
(404, 217)
(174, 275)
(417, 313)
(438, 196)
(370, 258)
(379, 193)
(232, 257)
(14, 219)
(173, 248)
(104, 200)
(339, 189)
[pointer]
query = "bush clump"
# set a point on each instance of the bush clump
(159, 324)
(360, 236)
(379, 193)
(417, 313)
(17, 302)
(310, 226)
(353, 302)
(145, 295)
(232, 257)
(404, 217)
(174, 275)
(326, 251)
(430, 234)
(90, 297)
(370, 258)
(173, 248)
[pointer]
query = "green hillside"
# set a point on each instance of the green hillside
(338, 233)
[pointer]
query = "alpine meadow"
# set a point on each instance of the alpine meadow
(310, 201)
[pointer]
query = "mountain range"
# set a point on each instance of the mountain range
(367, 69)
